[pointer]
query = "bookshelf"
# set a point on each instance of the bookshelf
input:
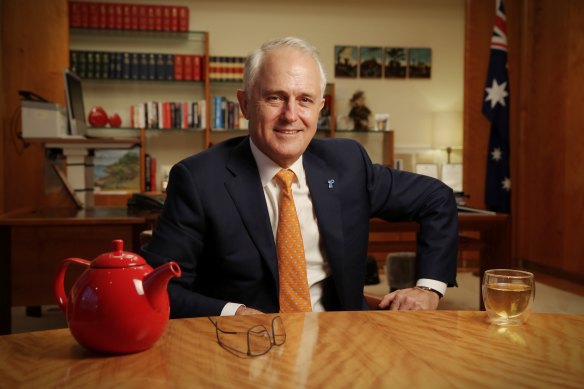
(149, 95)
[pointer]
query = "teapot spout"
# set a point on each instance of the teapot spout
(155, 284)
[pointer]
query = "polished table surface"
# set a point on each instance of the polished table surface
(334, 349)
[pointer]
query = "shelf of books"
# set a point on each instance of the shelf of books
(143, 63)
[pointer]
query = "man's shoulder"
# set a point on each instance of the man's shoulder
(326, 144)
(335, 148)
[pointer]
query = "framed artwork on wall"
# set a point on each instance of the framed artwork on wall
(117, 170)
(371, 62)
(420, 63)
(346, 61)
(395, 62)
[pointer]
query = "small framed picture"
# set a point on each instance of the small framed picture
(371, 62)
(427, 169)
(346, 61)
(452, 176)
(381, 122)
(117, 169)
(395, 62)
(420, 63)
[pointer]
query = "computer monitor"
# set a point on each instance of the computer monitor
(75, 106)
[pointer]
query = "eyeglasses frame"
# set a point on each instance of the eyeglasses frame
(256, 329)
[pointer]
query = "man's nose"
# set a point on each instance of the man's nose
(290, 111)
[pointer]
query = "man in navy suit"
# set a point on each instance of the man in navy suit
(219, 220)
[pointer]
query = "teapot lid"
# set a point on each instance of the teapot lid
(118, 257)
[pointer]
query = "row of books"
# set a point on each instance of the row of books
(120, 16)
(169, 115)
(187, 115)
(226, 114)
(137, 66)
(229, 69)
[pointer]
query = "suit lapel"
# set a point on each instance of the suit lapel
(246, 190)
(327, 206)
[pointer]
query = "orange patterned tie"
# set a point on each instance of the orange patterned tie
(294, 294)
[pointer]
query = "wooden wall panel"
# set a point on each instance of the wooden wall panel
(35, 43)
(478, 28)
(574, 146)
(546, 70)
(551, 195)
(544, 138)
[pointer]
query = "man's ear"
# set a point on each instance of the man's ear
(242, 98)
(321, 105)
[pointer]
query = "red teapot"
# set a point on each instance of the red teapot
(119, 304)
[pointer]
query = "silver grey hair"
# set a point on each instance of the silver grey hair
(254, 60)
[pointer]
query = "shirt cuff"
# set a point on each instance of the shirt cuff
(230, 308)
(437, 285)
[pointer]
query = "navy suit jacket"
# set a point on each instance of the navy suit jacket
(215, 224)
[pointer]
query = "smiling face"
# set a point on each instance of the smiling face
(283, 105)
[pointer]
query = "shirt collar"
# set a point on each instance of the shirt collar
(268, 168)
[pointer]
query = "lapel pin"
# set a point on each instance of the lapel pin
(331, 184)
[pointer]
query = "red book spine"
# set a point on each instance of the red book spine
(111, 15)
(134, 17)
(165, 18)
(158, 17)
(150, 11)
(188, 67)
(74, 14)
(174, 18)
(178, 66)
(183, 18)
(103, 15)
(166, 113)
(119, 18)
(127, 16)
(84, 12)
(184, 123)
(142, 17)
(93, 15)
(197, 67)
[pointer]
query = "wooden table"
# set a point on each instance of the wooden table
(437, 349)
(33, 243)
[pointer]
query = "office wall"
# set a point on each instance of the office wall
(238, 27)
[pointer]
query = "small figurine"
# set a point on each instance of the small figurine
(359, 112)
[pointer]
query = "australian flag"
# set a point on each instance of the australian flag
(496, 109)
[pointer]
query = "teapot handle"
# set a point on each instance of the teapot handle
(59, 285)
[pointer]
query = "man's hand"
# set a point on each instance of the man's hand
(411, 299)
(243, 310)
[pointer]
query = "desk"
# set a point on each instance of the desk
(432, 349)
(33, 243)
(492, 242)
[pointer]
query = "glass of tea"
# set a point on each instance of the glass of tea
(508, 295)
